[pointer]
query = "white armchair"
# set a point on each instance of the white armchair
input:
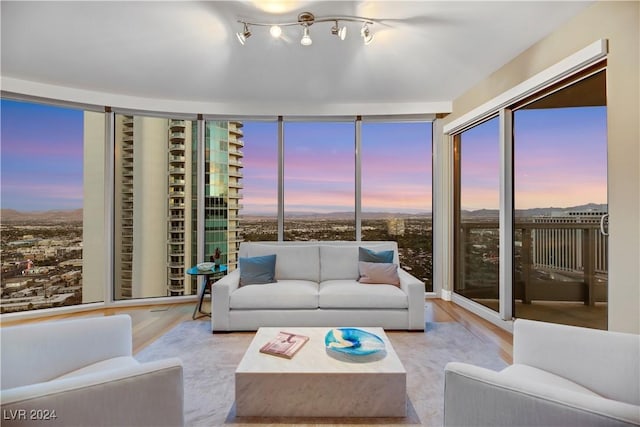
(561, 376)
(81, 372)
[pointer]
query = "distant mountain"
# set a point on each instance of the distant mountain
(339, 215)
(12, 215)
(493, 213)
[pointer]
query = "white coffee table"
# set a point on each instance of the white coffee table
(315, 384)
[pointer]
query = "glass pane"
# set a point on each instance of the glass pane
(223, 186)
(477, 236)
(396, 192)
(260, 178)
(319, 176)
(153, 242)
(44, 255)
(560, 178)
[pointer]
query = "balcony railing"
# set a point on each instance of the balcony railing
(552, 261)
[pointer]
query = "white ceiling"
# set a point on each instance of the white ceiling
(184, 56)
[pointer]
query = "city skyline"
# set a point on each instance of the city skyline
(42, 161)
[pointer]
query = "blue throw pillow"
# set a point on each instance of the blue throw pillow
(367, 255)
(257, 270)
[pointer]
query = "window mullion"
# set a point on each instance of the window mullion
(506, 214)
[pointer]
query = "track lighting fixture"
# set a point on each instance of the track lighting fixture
(306, 20)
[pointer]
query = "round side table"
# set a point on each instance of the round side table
(210, 276)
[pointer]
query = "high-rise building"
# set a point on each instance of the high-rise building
(156, 202)
(560, 247)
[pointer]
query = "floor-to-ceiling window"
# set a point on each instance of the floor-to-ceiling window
(396, 191)
(560, 196)
(46, 246)
(152, 212)
(260, 181)
(477, 213)
(319, 177)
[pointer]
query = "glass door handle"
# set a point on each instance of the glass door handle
(603, 219)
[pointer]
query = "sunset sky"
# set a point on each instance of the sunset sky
(560, 160)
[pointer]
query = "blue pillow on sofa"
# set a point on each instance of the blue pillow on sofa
(367, 255)
(257, 270)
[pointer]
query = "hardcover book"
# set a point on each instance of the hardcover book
(285, 344)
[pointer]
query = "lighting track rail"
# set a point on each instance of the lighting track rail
(306, 20)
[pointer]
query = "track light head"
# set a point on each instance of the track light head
(366, 34)
(244, 35)
(306, 38)
(341, 32)
(275, 31)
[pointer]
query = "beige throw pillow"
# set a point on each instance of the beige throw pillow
(378, 273)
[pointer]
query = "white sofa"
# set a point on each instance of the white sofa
(561, 376)
(81, 372)
(317, 285)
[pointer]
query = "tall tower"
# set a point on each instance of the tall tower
(179, 190)
(223, 176)
(155, 202)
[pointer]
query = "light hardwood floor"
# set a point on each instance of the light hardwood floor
(151, 322)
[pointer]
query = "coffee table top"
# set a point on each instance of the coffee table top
(313, 358)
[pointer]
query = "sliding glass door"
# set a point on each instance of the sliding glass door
(560, 199)
(531, 206)
(477, 236)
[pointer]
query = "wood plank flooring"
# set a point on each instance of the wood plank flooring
(152, 321)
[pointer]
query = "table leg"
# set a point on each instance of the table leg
(198, 308)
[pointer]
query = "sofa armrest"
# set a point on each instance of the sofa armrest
(220, 297)
(603, 361)
(149, 394)
(414, 289)
(475, 396)
(38, 352)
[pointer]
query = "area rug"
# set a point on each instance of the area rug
(210, 361)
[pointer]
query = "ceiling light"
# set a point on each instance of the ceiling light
(306, 39)
(366, 34)
(307, 19)
(244, 35)
(336, 30)
(276, 31)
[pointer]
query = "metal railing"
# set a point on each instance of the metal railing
(552, 261)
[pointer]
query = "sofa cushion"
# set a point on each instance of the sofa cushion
(378, 273)
(285, 294)
(529, 373)
(257, 270)
(369, 255)
(338, 262)
(352, 294)
(294, 262)
(103, 365)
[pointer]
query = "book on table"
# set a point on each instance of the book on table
(285, 344)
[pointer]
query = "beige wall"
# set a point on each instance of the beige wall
(94, 254)
(619, 22)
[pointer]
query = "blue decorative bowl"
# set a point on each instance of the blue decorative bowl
(353, 342)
